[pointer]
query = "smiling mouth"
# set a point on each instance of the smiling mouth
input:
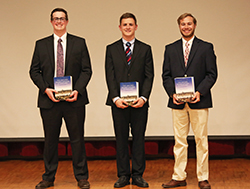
(186, 31)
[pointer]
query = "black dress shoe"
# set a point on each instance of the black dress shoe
(44, 184)
(139, 181)
(122, 181)
(83, 184)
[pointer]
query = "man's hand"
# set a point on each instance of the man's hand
(73, 96)
(175, 100)
(120, 103)
(50, 92)
(138, 103)
(196, 98)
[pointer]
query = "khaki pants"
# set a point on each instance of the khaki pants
(181, 121)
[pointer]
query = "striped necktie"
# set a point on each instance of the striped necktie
(186, 53)
(128, 53)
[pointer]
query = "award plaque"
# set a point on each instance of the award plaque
(129, 91)
(184, 88)
(63, 85)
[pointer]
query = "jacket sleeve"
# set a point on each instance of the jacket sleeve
(148, 74)
(36, 73)
(110, 74)
(168, 82)
(86, 70)
(211, 72)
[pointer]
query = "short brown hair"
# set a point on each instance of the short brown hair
(59, 10)
(127, 15)
(184, 16)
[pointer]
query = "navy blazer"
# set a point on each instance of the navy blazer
(117, 70)
(201, 65)
(77, 65)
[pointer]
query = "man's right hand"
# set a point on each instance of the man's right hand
(175, 100)
(120, 103)
(50, 93)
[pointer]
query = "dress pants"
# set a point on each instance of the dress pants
(181, 120)
(74, 118)
(136, 119)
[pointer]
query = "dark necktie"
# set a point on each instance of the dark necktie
(128, 53)
(60, 64)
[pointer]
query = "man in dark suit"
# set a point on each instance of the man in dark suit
(71, 51)
(190, 56)
(119, 69)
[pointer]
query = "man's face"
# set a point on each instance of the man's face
(59, 22)
(128, 28)
(187, 27)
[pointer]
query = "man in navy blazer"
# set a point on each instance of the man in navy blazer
(119, 69)
(76, 63)
(194, 57)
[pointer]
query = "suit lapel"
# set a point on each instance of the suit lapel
(179, 48)
(50, 48)
(194, 48)
(69, 47)
(120, 49)
(136, 50)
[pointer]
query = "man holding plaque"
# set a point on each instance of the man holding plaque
(190, 57)
(57, 56)
(130, 61)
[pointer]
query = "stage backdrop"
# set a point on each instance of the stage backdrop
(224, 23)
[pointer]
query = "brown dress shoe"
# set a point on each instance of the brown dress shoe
(174, 183)
(83, 184)
(204, 184)
(44, 184)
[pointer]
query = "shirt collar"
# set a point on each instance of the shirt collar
(63, 37)
(190, 42)
(131, 42)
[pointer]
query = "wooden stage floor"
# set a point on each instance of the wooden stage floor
(224, 174)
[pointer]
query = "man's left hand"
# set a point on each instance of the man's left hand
(73, 96)
(138, 103)
(196, 98)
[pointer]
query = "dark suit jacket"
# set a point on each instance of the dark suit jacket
(141, 69)
(201, 65)
(77, 65)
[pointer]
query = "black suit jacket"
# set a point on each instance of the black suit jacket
(201, 65)
(117, 70)
(77, 65)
